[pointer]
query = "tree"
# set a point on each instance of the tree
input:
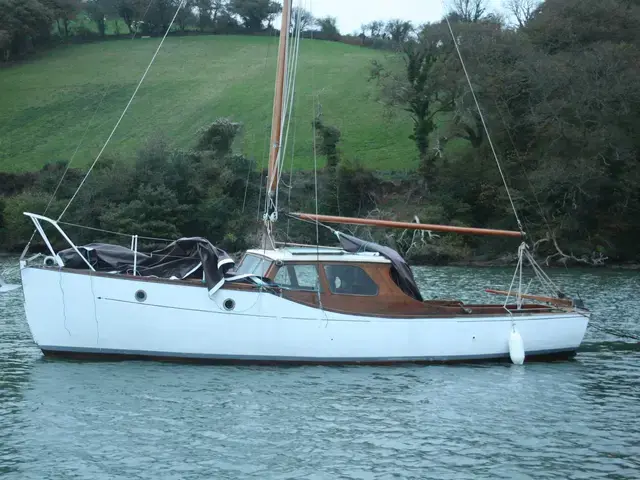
(185, 15)
(521, 10)
(375, 28)
(254, 13)
(205, 10)
(574, 24)
(398, 30)
(301, 16)
(219, 137)
(468, 10)
(584, 139)
(155, 211)
(328, 28)
(416, 88)
(5, 44)
(559, 97)
(159, 16)
(218, 9)
(97, 11)
(209, 13)
(65, 12)
(328, 138)
(130, 11)
(22, 23)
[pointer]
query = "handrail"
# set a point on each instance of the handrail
(35, 218)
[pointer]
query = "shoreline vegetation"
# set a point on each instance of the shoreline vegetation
(395, 129)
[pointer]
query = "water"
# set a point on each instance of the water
(574, 420)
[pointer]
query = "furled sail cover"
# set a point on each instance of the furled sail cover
(181, 259)
(401, 272)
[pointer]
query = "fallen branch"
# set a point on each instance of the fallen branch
(597, 259)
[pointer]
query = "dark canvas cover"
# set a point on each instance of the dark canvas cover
(401, 271)
(186, 257)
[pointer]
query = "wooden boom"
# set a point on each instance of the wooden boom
(408, 225)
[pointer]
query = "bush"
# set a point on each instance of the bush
(17, 227)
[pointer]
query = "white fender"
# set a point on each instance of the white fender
(516, 347)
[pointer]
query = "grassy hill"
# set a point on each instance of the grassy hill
(47, 104)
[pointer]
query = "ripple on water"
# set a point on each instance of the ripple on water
(577, 419)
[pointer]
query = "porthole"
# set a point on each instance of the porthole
(141, 295)
(229, 304)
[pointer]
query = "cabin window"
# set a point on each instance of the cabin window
(298, 277)
(253, 264)
(350, 280)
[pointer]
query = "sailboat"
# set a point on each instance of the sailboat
(357, 302)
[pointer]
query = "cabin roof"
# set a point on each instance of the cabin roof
(323, 254)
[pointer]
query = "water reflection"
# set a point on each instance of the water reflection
(148, 420)
(17, 355)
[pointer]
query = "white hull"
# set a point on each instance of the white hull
(82, 313)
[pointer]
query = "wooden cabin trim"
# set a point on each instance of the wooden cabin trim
(355, 305)
(383, 305)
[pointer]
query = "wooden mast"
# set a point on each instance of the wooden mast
(276, 121)
(407, 225)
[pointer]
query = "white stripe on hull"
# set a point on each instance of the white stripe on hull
(83, 313)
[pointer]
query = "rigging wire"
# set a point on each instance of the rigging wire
(144, 75)
(264, 147)
(484, 124)
(291, 69)
(263, 180)
(315, 179)
(84, 134)
(542, 276)
(290, 185)
(535, 195)
(515, 149)
(316, 103)
(111, 232)
(290, 101)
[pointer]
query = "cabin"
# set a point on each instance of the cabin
(363, 283)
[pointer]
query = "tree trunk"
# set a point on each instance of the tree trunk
(421, 129)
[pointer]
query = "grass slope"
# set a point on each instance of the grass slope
(47, 105)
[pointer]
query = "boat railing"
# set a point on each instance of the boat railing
(36, 219)
(41, 218)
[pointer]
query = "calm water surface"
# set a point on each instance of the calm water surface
(577, 419)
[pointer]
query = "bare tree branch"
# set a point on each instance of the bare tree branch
(468, 10)
(522, 10)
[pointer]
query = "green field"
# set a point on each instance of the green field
(46, 105)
